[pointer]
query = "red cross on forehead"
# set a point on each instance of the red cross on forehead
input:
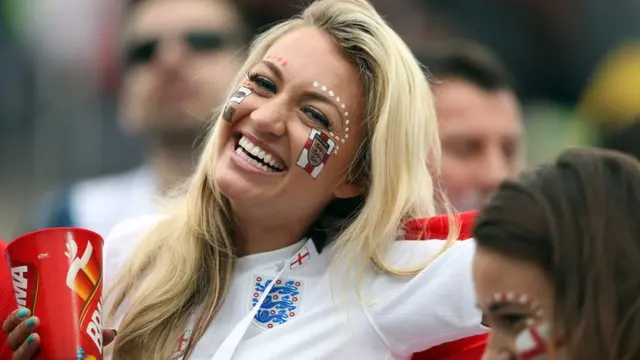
(277, 59)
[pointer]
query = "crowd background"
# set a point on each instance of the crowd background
(576, 65)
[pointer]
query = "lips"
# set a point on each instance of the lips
(258, 156)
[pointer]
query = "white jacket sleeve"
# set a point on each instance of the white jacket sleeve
(436, 306)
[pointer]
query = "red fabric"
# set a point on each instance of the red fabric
(437, 227)
(7, 300)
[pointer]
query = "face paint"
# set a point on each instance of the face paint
(277, 59)
(522, 299)
(342, 107)
(238, 97)
(315, 153)
(534, 342)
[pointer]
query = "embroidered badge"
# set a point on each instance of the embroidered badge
(315, 152)
(300, 258)
(281, 305)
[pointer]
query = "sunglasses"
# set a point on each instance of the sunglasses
(144, 51)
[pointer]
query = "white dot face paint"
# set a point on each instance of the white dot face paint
(340, 104)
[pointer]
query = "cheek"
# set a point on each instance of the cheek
(315, 150)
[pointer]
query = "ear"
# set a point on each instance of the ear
(348, 190)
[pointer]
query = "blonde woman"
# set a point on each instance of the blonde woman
(286, 244)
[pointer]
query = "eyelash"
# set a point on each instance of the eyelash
(312, 113)
(511, 321)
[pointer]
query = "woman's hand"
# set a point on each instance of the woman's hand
(23, 339)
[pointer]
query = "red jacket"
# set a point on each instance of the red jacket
(7, 300)
(470, 348)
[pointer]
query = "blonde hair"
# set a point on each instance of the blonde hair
(187, 261)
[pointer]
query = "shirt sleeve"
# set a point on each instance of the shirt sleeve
(434, 307)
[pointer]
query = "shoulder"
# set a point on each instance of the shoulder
(436, 305)
(427, 237)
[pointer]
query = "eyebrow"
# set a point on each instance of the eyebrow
(274, 68)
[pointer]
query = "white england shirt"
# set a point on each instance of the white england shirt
(311, 315)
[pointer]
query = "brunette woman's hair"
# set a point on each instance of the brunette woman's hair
(579, 220)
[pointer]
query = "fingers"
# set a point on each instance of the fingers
(21, 333)
(28, 349)
(108, 335)
(14, 319)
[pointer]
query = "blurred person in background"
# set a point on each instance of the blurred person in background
(178, 58)
(479, 119)
(558, 257)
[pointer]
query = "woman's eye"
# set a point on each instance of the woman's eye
(263, 83)
(317, 116)
(511, 320)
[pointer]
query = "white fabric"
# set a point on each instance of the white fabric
(101, 203)
(396, 317)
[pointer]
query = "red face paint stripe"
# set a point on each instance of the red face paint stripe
(541, 346)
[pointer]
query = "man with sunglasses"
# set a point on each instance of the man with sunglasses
(178, 59)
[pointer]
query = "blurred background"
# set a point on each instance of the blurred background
(576, 64)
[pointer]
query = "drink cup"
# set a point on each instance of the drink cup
(57, 274)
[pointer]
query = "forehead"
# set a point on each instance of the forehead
(313, 55)
(154, 17)
(495, 273)
(464, 108)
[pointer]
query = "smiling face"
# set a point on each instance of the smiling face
(291, 131)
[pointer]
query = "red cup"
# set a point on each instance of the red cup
(57, 274)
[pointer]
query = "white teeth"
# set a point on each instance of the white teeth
(256, 151)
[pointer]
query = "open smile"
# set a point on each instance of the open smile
(257, 156)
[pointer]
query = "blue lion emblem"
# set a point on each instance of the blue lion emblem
(282, 303)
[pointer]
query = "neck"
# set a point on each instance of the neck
(256, 235)
(171, 163)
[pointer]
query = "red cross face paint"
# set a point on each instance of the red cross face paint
(534, 343)
(237, 98)
(315, 152)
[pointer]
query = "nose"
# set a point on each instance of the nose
(269, 118)
(496, 169)
(171, 54)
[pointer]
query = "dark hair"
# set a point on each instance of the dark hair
(467, 61)
(579, 220)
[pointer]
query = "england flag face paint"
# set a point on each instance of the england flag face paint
(535, 343)
(315, 152)
(237, 98)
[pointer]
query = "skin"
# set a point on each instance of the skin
(494, 273)
(482, 140)
(19, 330)
(272, 210)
